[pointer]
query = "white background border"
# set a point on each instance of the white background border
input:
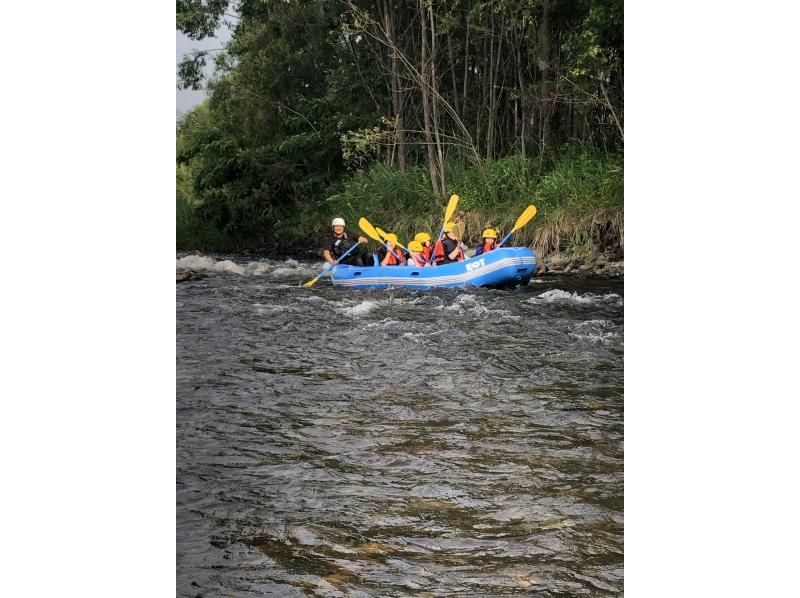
(88, 317)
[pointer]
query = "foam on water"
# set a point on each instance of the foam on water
(360, 308)
(203, 263)
(471, 305)
(422, 337)
(604, 332)
(385, 323)
(276, 268)
(462, 303)
(557, 295)
(266, 267)
(262, 309)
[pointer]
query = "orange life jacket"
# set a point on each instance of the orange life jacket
(488, 247)
(419, 260)
(427, 250)
(394, 260)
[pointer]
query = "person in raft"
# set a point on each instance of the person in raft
(391, 254)
(489, 242)
(427, 249)
(337, 244)
(416, 254)
(449, 249)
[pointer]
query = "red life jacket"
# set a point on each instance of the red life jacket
(487, 247)
(438, 251)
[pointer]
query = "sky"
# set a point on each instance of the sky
(186, 99)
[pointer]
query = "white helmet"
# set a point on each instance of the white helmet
(338, 222)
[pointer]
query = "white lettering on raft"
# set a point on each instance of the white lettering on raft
(479, 264)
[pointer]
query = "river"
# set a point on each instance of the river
(452, 442)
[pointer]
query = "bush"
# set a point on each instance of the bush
(576, 194)
(192, 232)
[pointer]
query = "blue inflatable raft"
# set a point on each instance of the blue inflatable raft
(502, 268)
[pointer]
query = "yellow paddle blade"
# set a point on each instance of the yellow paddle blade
(458, 229)
(384, 234)
(369, 230)
(525, 217)
(451, 207)
(325, 270)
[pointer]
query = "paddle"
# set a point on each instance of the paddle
(524, 218)
(327, 267)
(448, 214)
(458, 229)
(368, 229)
(375, 232)
(384, 234)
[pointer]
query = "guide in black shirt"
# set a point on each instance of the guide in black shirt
(339, 242)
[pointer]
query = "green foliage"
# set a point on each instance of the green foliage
(192, 232)
(301, 126)
(577, 186)
(364, 147)
(501, 182)
(394, 199)
(199, 18)
(190, 70)
(583, 181)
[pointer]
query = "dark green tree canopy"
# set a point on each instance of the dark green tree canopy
(309, 91)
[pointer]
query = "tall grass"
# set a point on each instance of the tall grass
(394, 200)
(579, 198)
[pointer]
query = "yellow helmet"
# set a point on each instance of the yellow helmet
(421, 237)
(415, 246)
(449, 227)
(489, 233)
(390, 237)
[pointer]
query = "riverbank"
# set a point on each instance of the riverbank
(600, 265)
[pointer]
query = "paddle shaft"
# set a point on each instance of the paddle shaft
(344, 255)
(524, 218)
(505, 238)
(382, 234)
(448, 214)
(328, 267)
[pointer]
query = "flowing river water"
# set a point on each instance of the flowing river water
(451, 442)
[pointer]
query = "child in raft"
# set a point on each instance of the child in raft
(489, 242)
(427, 249)
(416, 255)
(391, 254)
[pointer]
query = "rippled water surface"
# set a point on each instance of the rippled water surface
(336, 442)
